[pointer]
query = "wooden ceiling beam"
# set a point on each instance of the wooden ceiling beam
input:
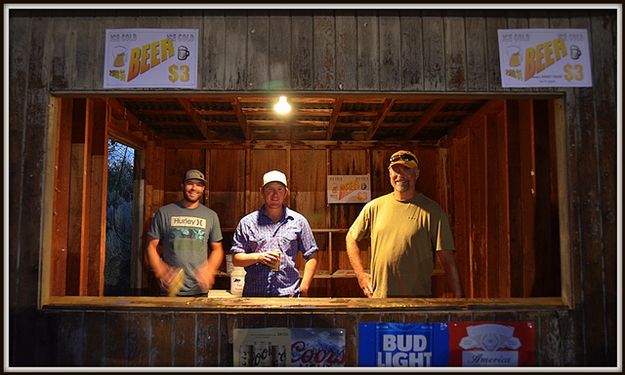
(388, 104)
(241, 117)
(335, 114)
(197, 119)
(427, 116)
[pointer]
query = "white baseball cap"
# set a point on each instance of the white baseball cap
(274, 176)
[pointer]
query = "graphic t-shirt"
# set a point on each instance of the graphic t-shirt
(184, 234)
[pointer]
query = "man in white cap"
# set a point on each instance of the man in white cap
(266, 243)
(184, 229)
(406, 229)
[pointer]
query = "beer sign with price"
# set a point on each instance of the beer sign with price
(155, 58)
(544, 58)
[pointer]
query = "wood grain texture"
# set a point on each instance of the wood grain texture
(301, 50)
(347, 61)
(324, 50)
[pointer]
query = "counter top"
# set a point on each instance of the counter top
(222, 300)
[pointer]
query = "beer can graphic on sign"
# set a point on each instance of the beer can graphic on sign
(245, 355)
(261, 354)
(278, 355)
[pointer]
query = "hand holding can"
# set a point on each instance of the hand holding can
(275, 266)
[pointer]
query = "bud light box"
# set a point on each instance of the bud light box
(317, 347)
(403, 344)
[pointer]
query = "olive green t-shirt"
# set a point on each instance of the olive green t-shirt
(404, 238)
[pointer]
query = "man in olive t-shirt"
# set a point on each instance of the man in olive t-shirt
(407, 229)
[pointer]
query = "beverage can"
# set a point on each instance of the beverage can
(261, 354)
(276, 265)
(245, 355)
(278, 355)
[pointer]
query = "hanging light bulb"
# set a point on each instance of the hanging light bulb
(282, 106)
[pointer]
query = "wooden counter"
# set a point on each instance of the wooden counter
(221, 300)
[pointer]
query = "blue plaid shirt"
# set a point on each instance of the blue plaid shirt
(257, 233)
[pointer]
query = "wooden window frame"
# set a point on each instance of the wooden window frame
(49, 300)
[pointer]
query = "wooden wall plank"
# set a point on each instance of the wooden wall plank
(527, 197)
(602, 32)
(498, 211)
(75, 226)
(138, 339)
(185, 341)
(495, 21)
(213, 44)
(433, 47)
(115, 336)
(227, 185)
(546, 220)
(61, 201)
(280, 49)
(476, 51)
(84, 33)
(455, 51)
(177, 162)
(346, 43)
(478, 180)
(97, 203)
(411, 50)
(207, 350)
(368, 50)
(161, 339)
(60, 64)
(70, 336)
(324, 50)
(301, 50)
(308, 185)
(257, 47)
(262, 161)
(591, 241)
(235, 53)
(390, 50)
(30, 164)
(19, 62)
(459, 217)
(95, 328)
